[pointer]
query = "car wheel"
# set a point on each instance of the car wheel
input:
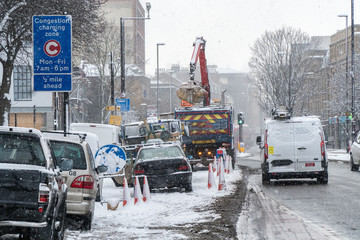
(188, 188)
(48, 232)
(353, 166)
(87, 221)
(60, 228)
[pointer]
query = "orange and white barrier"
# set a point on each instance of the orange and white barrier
(214, 168)
(126, 193)
(137, 191)
(211, 179)
(221, 176)
(146, 190)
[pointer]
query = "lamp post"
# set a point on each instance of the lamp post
(346, 79)
(347, 53)
(157, 77)
(122, 45)
(352, 73)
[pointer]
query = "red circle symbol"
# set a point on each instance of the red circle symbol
(52, 48)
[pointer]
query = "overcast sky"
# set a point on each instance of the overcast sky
(231, 26)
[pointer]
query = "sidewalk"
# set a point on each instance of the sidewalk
(333, 154)
(338, 155)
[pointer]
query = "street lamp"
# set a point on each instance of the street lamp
(346, 76)
(347, 53)
(122, 45)
(157, 77)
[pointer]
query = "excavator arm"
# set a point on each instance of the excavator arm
(191, 92)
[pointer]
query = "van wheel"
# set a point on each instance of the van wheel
(323, 179)
(265, 179)
(353, 166)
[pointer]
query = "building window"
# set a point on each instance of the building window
(22, 82)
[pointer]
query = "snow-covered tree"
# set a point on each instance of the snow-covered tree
(16, 31)
(280, 65)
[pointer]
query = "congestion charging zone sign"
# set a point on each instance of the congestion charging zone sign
(52, 53)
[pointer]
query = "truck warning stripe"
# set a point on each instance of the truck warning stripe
(204, 117)
(208, 132)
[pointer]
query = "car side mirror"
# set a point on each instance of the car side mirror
(101, 169)
(66, 164)
(258, 140)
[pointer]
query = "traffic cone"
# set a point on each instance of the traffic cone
(137, 191)
(211, 179)
(221, 176)
(226, 164)
(126, 193)
(230, 165)
(146, 190)
(214, 165)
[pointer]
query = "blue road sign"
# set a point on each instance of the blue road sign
(124, 104)
(52, 53)
(112, 156)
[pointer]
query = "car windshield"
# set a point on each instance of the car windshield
(132, 130)
(21, 149)
(160, 153)
(70, 151)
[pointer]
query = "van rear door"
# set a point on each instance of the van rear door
(281, 146)
(307, 146)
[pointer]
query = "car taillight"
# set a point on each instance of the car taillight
(43, 193)
(84, 181)
(183, 166)
(266, 154)
(138, 169)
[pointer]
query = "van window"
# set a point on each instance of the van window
(281, 132)
(70, 151)
(306, 131)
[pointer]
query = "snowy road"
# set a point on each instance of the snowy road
(164, 217)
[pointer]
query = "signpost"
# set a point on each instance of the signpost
(52, 53)
(124, 104)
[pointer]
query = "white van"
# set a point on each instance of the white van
(293, 148)
(108, 134)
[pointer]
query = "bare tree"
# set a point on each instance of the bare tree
(16, 33)
(280, 64)
(105, 41)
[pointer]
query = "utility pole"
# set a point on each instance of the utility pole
(352, 73)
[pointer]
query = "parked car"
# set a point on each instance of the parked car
(164, 165)
(33, 192)
(82, 179)
(355, 154)
(293, 147)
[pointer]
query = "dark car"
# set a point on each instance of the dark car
(165, 166)
(33, 193)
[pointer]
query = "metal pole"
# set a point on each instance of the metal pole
(157, 77)
(122, 58)
(352, 73)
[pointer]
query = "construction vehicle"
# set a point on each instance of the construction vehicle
(208, 127)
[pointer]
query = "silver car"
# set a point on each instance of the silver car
(82, 179)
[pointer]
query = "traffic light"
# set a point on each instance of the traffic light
(240, 118)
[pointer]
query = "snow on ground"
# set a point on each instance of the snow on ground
(152, 219)
(338, 155)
